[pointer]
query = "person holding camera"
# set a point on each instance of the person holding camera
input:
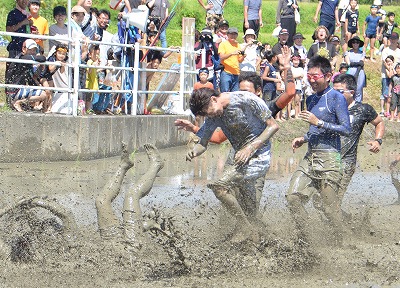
(251, 58)
(231, 56)
(209, 52)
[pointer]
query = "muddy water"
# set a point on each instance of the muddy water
(371, 255)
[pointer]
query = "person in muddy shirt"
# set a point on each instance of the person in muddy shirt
(320, 170)
(247, 123)
(360, 114)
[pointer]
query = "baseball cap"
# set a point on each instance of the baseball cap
(298, 36)
(335, 38)
(233, 30)
(203, 70)
(284, 31)
(78, 9)
(223, 22)
(30, 44)
(374, 6)
(394, 35)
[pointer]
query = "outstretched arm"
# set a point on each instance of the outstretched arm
(375, 146)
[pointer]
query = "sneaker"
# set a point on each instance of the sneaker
(382, 114)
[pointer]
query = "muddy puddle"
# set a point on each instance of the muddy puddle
(369, 258)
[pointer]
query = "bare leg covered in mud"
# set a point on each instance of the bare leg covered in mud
(395, 174)
(132, 213)
(107, 219)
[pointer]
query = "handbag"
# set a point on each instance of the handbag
(297, 16)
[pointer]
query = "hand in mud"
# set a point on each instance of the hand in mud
(243, 155)
(308, 117)
(375, 146)
(297, 142)
(186, 125)
(198, 149)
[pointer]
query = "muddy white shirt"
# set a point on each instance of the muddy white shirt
(243, 120)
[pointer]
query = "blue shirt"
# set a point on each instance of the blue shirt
(328, 8)
(372, 23)
(254, 7)
(270, 85)
(331, 107)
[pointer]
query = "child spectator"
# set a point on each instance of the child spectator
(59, 28)
(388, 28)
(269, 77)
(298, 75)
(298, 47)
(370, 29)
(394, 93)
(60, 102)
(342, 70)
(351, 26)
(154, 63)
(203, 82)
(23, 74)
(91, 78)
(40, 24)
(389, 72)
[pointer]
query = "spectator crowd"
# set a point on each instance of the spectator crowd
(223, 53)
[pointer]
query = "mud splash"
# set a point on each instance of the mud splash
(38, 251)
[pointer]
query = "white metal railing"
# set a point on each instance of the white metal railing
(75, 63)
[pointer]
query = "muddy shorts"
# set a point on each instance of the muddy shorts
(318, 167)
(349, 167)
(242, 180)
(212, 20)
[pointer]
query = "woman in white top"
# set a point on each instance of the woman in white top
(249, 48)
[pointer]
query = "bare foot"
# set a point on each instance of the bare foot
(17, 106)
(154, 156)
(127, 162)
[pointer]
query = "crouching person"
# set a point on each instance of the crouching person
(23, 74)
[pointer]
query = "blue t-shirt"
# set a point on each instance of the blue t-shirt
(328, 8)
(331, 107)
(13, 18)
(254, 7)
(372, 23)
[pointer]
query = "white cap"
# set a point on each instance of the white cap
(249, 32)
(30, 44)
(378, 2)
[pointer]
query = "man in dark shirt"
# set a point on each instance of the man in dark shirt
(321, 169)
(277, 48)
(360, 114)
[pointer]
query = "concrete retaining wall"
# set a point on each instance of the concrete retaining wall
(46, 137)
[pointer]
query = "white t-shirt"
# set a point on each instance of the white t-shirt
(250, 61)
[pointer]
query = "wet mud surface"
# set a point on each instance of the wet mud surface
(37, 252)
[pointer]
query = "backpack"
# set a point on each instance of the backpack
(117, 4)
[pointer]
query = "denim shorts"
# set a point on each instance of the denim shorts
(385, 88)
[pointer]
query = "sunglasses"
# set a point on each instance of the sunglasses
(315, 77)
(343, 91)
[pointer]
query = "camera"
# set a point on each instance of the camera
(241, 52)
(205, 38)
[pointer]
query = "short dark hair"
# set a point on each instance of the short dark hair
(343, 65)
(268, 54)
(156, 55)
(105, 12)
(390, 14)
(321, 63)
(200, 99)
(251, 77)
(347, 79)
(93, 47)
(59, 10)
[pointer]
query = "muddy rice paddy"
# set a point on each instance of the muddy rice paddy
(37, 252)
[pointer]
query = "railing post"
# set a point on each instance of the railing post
(135, 80)
(182, 76)
(77, 61)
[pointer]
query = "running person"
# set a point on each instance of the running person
(320, 170)
(360, 114)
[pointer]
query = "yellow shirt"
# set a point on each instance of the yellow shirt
(231, 64)
(91, 79)
(43, 28)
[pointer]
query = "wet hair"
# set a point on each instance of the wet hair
(105, 12)
(390, 14)
(251, 77)
(200, 99)
(156, 55)
(390, 57)
(347, 79)
(343, 65)
(321, 63)
(268, 54)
